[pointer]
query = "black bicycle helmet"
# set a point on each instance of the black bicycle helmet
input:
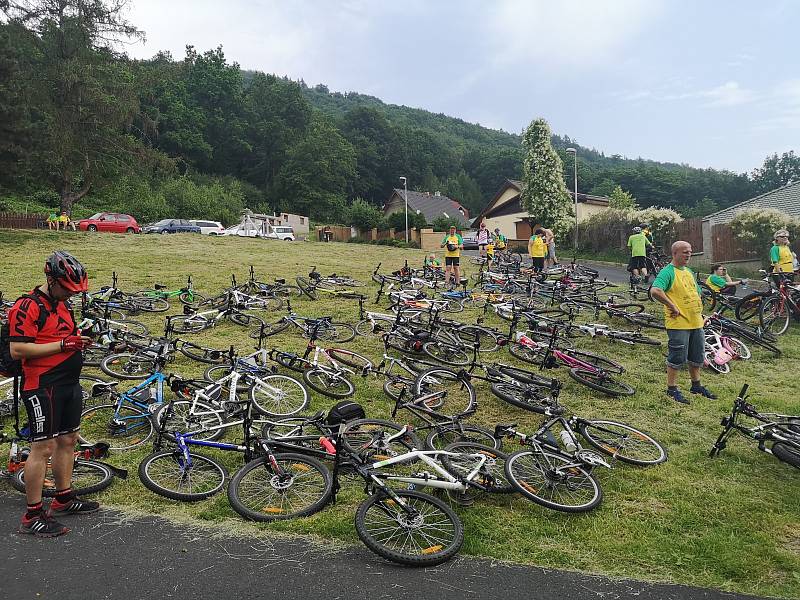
(67, 270)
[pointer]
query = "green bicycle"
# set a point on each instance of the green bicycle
(159, 296)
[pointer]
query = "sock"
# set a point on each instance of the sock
(34, 510)
(696, 385)
(64, 496)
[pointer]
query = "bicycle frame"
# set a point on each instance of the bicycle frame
(443, 480)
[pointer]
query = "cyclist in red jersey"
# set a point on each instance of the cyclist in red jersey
(44, 337)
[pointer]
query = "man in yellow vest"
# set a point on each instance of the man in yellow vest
(676, 288)
(537, 249)
(780, 255)
(453, 244)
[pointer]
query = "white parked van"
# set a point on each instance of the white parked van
(281, 232)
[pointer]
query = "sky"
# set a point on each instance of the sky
(709, 83)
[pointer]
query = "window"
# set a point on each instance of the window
(123, 218)
(302, 220)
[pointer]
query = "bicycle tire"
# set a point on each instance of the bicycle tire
(739, 348)
(596, 360)
(339, 333)
(351, 359)
(644, 320)
(533, 479)
(306, 287)
(451, 433)
(164, 473)
(722, 369)
(527, 353)
(635, 338)
(601, 382)
(210, 356)
(493, 469)
(394, 387)
(526, 397)
(153, 305)
(278, 395)
(207, 426)
(600, 434)
(380, 521)
(445, 353)
(127, 326)
(708, 298)
(333, 385)
(525, 376)
(302, 488)
(246, 319)
(271, 328)
(127, 365)
(195, 299)
(748, 307)
(189, 323)
(88, 477)
(134, 429)
(787, 453)
(215, 373)
(489, 340)
(774, 315)
(362, 434)
(452, 395)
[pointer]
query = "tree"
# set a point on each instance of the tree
(81, 89)
(758, 226)
(364, 216)
(444, 223)
(397, 220)
(777, 172)
(604, 188)
(704, 207)
(544, 194)
(621, 199)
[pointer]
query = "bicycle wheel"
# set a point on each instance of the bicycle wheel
(487, 340)
(351, 359)
(445, 392)
(601, 362)
(201, 420)
(394, 387)
(204, 355)
(148, 304)
(473, 302)
(774, 316)
(738, 347)
(169, 474)
(623, 442)
(336, 332)
(748, 307)
(270, 328)
(329, 383)
(125, 428)
(491, 475)
(280, 487)
(445, 353)
(644, 320)
(306, 287)
(787, 453)
(526, 397)
(527, 353)
(246, 319)
(602, 382)
(379, 438)
(553, 480)
(278, 395)
(88, 477)
(191, 298)
(708, 298)
(189, 323)
(711, 364)
(452, 433)
(423, 533)
(635, 338)
(526, 376)
(127, 365)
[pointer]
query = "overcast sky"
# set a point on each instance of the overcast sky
(711, 83)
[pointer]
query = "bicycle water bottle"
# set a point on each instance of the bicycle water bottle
(569, 443)
(328, 445)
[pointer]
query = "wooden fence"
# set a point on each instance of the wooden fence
(10, 220)
(727, 246)
(691, 230)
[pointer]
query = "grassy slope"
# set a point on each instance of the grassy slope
(730, 523)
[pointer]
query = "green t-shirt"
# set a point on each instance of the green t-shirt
(716, 282)
(638, 244)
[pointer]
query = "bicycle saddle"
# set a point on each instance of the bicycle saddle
(281, 281)
(158, 286)
(102, 387)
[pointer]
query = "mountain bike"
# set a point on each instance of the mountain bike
(560, 475)
(233, 309)
(778, 309)
(186, 294)
(326, 329)
(781, 431)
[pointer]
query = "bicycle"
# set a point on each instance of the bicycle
(720, 350)
(186, 295)
(776, 311)
(193, 321)
(783, 431)
(325, 328)
(560, 475)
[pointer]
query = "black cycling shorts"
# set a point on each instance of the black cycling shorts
(54, 410)
(637, 262)
(452, 261)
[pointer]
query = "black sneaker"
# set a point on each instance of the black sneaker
(677, 396)
(42, 526)
(704, 392)
(76, 506)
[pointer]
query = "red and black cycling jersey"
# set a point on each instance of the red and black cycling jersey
(62, 368)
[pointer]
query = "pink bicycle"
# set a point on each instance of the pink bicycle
(721, 350)
(592, 370)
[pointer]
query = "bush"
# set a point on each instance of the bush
(365, 216)
(398, 221)
(609, 230)
(444, 223)
(758, 226)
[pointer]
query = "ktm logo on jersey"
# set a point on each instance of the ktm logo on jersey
(63, 325)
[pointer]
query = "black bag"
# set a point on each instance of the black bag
(344, 411)
(11, 367)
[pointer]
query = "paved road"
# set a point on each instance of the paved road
(109, 555)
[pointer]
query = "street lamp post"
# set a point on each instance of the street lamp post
(405, 196)
(574, 153)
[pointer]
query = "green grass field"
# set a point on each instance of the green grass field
(731, 523)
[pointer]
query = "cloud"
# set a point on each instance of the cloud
(577, 33)
(728, 94)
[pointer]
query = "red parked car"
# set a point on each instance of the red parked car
(112, 222)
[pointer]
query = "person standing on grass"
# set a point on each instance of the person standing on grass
(780, 256)
(537, 249)
(44, 337)
(550, 242)
(637, 244)
(676, 288)
(453, 244)
(483, 238)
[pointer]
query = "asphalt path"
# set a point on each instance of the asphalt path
(110, 555)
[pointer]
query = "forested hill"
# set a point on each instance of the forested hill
(490, 156)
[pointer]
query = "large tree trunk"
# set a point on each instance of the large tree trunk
(69, 196)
